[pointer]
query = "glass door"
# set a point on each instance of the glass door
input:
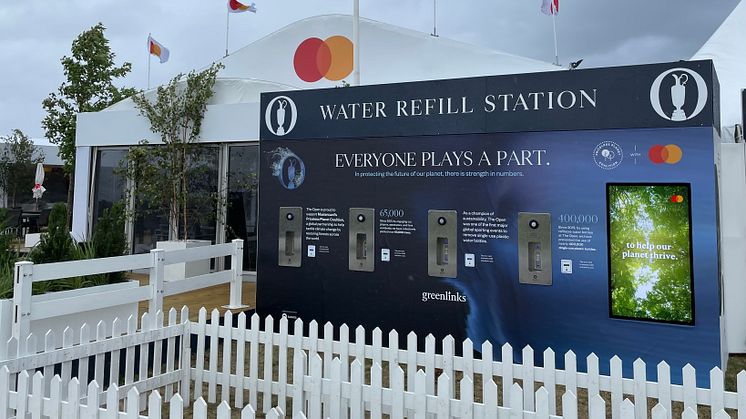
(109, 183)
(241, 210)
(151, 224)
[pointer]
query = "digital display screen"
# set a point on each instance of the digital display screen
(650, 260)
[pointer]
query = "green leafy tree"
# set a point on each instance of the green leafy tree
(170, 177)
(18, 160)
(90, 73)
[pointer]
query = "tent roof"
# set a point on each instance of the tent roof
(226, 91)
(727, 48)
(388, 54)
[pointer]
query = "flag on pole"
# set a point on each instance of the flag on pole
(550, 7)
(234, 6)
(157, 49)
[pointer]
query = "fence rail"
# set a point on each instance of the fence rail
(26, 308)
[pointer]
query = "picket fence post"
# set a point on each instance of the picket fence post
(357, 406)
(23, 278)
(154, 405)
(236, 288)
(176, 407)
(157, 274)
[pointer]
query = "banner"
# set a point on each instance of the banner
(591, 240)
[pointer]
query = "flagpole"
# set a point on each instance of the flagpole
(554, 26)
(356, 42)
(435, 21)
(149, 38)
(227, 26)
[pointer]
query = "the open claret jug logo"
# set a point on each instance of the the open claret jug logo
(287, 168)
(678, 94)
(281, 115)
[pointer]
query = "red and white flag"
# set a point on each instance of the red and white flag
(234, 6)
(157, 49)
(550, 7)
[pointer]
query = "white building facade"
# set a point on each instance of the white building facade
(282, 60)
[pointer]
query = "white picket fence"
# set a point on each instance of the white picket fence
(279, 367)
(31, 400)
(27, 308)
(401, 372)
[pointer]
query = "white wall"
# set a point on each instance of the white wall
(733, 242)
(222, 123)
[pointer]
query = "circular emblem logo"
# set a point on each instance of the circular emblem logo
(316, 59)
(608, 155)
(287, 168)
(281, 115)
(669, 154)
(678, 94)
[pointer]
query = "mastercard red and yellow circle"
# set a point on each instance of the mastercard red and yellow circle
(330, 58)
(677, 199)
(670, 154)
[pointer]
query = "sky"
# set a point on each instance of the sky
(35, 34)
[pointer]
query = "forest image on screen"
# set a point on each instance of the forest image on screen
(650, 252)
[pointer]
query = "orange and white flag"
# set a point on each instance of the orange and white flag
(157, 49)
(234, 6)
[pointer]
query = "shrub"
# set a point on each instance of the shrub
(8, 256)
(56, 245)
(109, 240)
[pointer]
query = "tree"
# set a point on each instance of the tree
(17, 166)
(90, 73)
(165, 175)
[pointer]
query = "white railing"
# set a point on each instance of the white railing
(275, 367)
(26, 309)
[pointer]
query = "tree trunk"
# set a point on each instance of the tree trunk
(70, 194)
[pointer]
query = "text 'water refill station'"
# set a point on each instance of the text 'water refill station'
(574, 210)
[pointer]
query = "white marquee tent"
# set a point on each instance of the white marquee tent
(392, 54)
(727, 48)
(388, 54)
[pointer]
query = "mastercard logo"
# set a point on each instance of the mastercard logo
(670, 154)
(316, 59)
(677, 199)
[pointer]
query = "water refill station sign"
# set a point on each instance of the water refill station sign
(572, 210)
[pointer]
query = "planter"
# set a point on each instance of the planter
(58, 324)
(179, 271)
(31, 240)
